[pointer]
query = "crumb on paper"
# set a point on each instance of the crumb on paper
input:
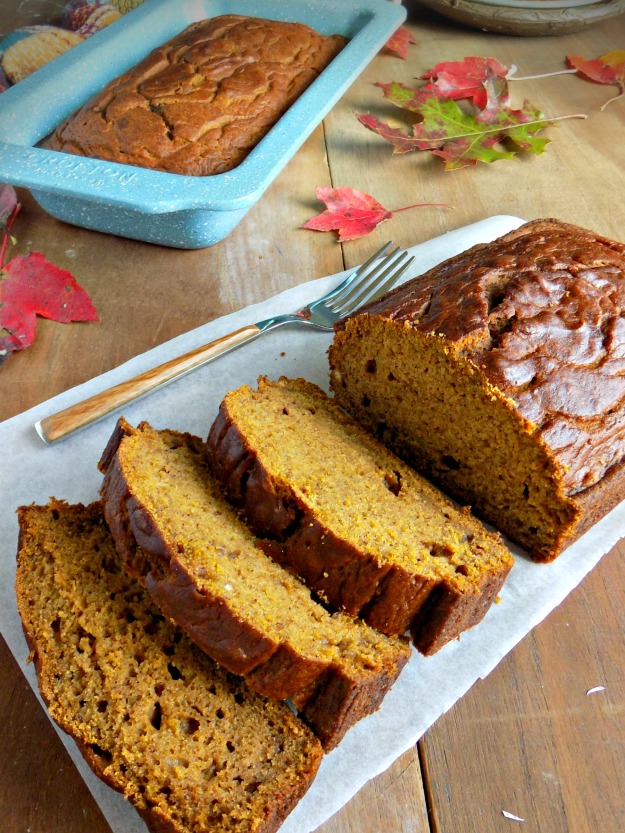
(511, 816)
(283, 353)
(595, 689)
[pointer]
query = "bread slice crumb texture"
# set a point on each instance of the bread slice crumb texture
(354, 487)
(171, 482)
(359, 526)
(204, 568)
(191, 746)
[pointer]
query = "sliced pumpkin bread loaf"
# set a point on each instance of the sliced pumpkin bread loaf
(358, 525)
(190, 745)
(203, 567)
(500, 374)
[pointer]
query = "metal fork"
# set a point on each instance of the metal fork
(371, 280)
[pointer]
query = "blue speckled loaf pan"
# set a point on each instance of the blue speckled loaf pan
(172, 210)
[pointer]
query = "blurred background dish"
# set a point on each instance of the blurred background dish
(527, 17)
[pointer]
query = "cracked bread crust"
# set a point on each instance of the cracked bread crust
(335, 672)
(531, 329)
(199, 103)
(393, 593)
(541, 313)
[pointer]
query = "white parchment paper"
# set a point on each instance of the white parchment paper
(426, 687)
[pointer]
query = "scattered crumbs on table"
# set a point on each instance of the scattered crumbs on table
(511, 816)
(595, 689)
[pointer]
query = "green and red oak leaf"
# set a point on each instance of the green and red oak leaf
(462, 138)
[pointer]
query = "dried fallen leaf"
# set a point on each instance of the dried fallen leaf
(350, 212)
(463, 139)
(484, 129)
(607, 69)
(19, 326)
(31, 286)
(483, 80)
(400, 41)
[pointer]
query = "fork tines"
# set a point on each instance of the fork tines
(372, 279)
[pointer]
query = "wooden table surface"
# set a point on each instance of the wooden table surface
(526, 740)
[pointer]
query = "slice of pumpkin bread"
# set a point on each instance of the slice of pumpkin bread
(358, 525)
(190, 745)
(203, 567)
(499, 373)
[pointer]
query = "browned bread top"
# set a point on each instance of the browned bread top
(199, 103)
(541, 312)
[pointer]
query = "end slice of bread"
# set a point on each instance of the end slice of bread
(190, 745)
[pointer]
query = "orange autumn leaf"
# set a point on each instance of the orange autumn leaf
(8, 206)
(607, 69)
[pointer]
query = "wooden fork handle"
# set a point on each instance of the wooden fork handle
(65, 422)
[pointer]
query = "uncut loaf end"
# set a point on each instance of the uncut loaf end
(362, 529)
(203, 567)
(199, 103)
(190, 745)
(500, 374)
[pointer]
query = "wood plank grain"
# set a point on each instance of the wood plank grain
(529, 739)
(562, 182)
(394, 802)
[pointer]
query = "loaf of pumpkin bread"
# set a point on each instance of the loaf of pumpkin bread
(199, 103)
(367, 533)
(501, 374)
(203, 567)
(190, 745)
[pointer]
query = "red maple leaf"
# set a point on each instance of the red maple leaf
(483, 80)
(31, 286)
(400, 41)
(350, 212)
(607, 69)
